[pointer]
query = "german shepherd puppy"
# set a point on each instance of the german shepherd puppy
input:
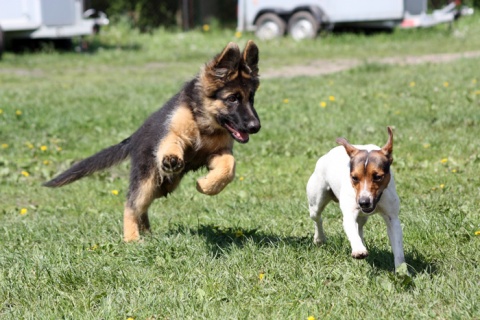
(194, 129)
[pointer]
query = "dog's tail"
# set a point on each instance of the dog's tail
(102, 160)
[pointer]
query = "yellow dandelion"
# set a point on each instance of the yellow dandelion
(114, 192)
(238, 233)
(477, 233)
(444, 160)
(18, 112)
(29, 145)
(426, 145)
(46, 162)
(323, 104)
(412, 84)
(477, 92)
(454, 170)
(206, 27)
(1, 111)
(311, 318)
(446, 84)
(43, 148)
(442, 186)
(261, 276)
(238, 34)
(285, 100)
(130, 318)
(93, 248)
(4, 145)
(331, 98)
(241, 178)
(25, 173)
(23, 211)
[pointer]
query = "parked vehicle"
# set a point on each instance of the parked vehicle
(303, 19)
(46, 19)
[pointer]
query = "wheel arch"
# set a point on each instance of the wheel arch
(283, 14)
(316, 11)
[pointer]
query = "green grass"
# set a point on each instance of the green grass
(64, 258)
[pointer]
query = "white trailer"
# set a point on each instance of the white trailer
(46, 19)
(303, 19)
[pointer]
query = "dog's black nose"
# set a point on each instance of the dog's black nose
(364, 202)
(253, 126)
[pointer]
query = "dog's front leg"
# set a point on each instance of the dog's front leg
(395, 235)
(221, 172)
(351, 227)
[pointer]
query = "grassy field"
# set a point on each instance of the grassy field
(246, 253)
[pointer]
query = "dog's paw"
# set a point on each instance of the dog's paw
(172, 164)
(360, 254)
(319, 241)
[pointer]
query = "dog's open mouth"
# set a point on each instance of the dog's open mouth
(367, 210)
(241, 137)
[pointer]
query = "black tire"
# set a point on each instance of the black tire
(2, 42)
(270, 26)
(303, 25)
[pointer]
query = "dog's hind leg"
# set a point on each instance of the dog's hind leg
(319, 196)
(141, 194)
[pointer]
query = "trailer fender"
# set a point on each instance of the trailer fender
(316, 11)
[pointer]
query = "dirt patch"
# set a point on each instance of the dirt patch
(326, 66)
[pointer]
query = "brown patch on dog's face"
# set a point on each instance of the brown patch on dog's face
(369, 172)
(230, 81)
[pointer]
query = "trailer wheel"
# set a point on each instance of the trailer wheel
(303, 25)
(1, 42)
(270, 26)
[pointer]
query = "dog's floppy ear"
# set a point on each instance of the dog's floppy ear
(387, 149)
(225, 64)
(351, 150)
(250, 59)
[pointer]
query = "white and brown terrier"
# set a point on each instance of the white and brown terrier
(359, 177)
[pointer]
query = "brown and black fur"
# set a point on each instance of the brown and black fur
(195, 129)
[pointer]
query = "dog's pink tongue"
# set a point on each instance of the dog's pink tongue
(241, 135)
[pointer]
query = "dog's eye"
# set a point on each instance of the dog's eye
(355, 179)
(232, 98)
(377, 177)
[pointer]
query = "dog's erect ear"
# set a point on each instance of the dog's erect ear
(250, 59)
(225, 64)
(388, 147)
(351, 150)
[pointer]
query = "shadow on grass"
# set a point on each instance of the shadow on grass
(383, 259)
(221, 239)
